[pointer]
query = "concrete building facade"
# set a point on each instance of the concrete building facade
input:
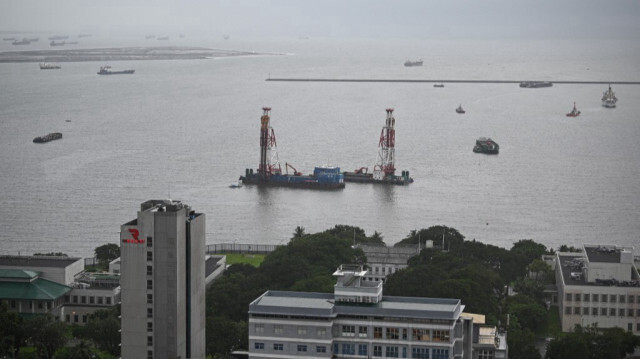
(357, 321)
(163, 282)
(600, 285)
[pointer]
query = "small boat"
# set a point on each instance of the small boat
(236, 185)
(47, 66)
(410, 63)
(163, 38)
(486, 145)
(54, 43)
(575, 112)
(460, 110)
(106, 70)
(9, 38)
(609, 98)
(438, 85)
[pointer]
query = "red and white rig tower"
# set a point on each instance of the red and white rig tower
(269, 163)
(386, 155)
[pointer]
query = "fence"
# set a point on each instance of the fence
(241, 248)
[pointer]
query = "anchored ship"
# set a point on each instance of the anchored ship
(269, 172)
(46, 138)
(47, 66)
(486, 145)
(384, 171)
(106, 70)
(609, 98)
(459, 109)
(535, 84)
(410, 63)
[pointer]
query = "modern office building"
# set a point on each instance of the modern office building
(357, 321)
(162, 282)
(599, 285)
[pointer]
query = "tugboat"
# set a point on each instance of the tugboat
(460, 110)
(410, 63)
(106, 70)
(609, 98)
(486, 145)
(575, 112)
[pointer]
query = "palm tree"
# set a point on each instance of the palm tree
(299, 232)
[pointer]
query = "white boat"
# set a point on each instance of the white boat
(236, 185)
(609, 98)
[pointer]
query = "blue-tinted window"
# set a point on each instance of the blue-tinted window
(278, 347)
(302, 348)
(362, 349)
(420, 353)
(440, 353)
(258, 346)
(349, 349)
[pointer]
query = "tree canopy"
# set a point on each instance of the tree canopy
(107, 252)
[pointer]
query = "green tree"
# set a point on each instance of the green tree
(541, 271)
(46, 334)
(103, 329)
(11, 332)
(529, 250)
(521, 341)
(225, 335)
(299, 232)
(441, 237)
(107, 252)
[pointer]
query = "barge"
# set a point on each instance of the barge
(49, 137)
(269, 172)
(384, 170)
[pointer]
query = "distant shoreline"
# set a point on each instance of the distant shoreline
(120, 54)
(452, 81)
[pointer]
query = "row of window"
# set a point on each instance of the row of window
(84, 298)
(378, 350)
(149, 298)
(67, 318)
(361, 331)
(613, 298)
(39, 303)
(611, 312)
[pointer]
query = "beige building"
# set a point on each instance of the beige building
(600, 285)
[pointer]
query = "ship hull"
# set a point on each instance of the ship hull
(308, 182)
(46, 138)
(368, 178)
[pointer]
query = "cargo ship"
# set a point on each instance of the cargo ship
(486, 145)
(48, 66)
(269, 172)
(384, 170)
(106, 70)
(46, 138)
(410, 63)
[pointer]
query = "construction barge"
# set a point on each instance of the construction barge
(384, 172)
(269, 172)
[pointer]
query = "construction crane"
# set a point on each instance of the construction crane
(269, 163)
(386, 155)
(295, 171)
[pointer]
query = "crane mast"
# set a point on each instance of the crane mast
(269, 163)
(386, 155)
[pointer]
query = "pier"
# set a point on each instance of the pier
(455, 81)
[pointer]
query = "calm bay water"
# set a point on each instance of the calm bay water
(188, 129)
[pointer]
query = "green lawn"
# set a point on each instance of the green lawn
(253, 259)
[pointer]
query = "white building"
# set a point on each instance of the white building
(600, 285)
(163, 282)
(385, 261)
(357, 321)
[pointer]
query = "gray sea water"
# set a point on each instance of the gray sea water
(188, 129)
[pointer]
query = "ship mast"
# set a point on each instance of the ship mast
(386, 154)
(269, 163)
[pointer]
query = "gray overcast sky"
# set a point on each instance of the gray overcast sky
(346, 18)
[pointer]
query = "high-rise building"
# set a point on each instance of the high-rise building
(163, 282)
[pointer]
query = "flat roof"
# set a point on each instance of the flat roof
(38, 261)
(603, 254)
(323, 304)
(17, 274)
(569, 264)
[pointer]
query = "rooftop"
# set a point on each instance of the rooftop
(322, 304)
(34, 289)
(603, 254)
(37, 261)
(571, 265)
